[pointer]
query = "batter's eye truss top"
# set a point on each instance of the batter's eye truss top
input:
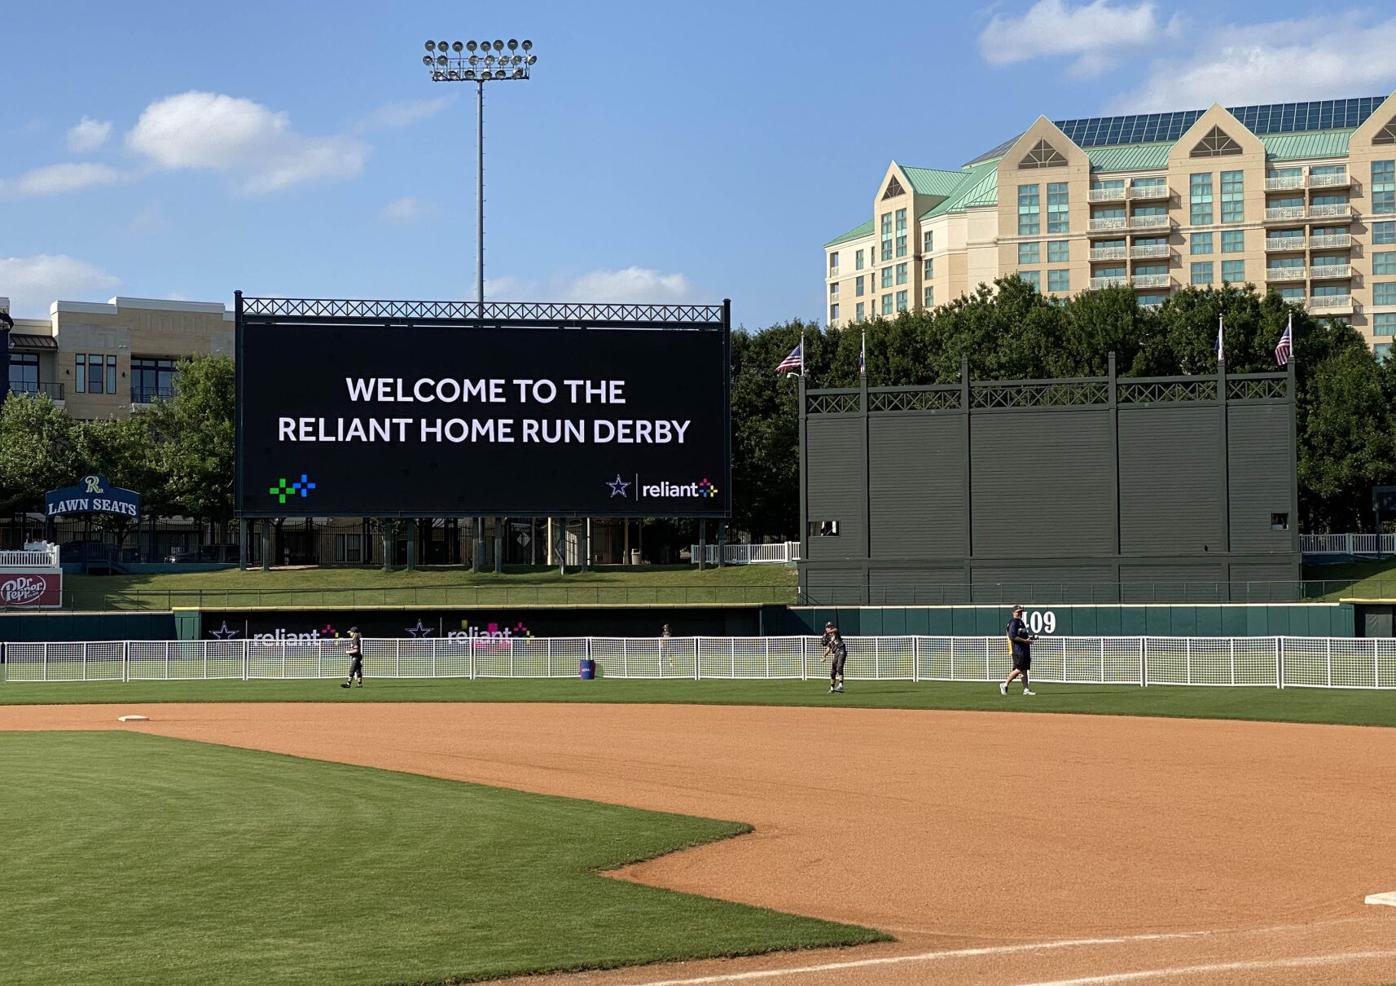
(506, 312)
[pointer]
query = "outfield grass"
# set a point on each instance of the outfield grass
(518, 586)
(1355, 580)
(140, 859)
(1354, 707)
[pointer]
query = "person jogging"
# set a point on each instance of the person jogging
(837, 649)
(1020, 645)
(356, 658)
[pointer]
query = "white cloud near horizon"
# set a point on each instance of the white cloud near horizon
(252, 143)
(404, 210)
(33, 283)
(392, 115)
(55, 179)
(1332, 57)
(1097, 34)
(628, 285)
(87, 135)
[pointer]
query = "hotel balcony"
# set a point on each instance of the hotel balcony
(1151, 280)
(1108, 282)
(1148, 222)
(1149, 251)
(1330, 181)
(1284, 213)
(1328, 272)
(1343, 211)
(1148, 192)
(1273, 274)
(1105, 195)
(53, 390)
(1284, 183)
(1282, 243)
(1331, 304)
(1110, 224)
(1109, 253)
(1332, 241)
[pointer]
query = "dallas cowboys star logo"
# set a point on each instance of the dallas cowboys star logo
(224, 632)
(420, 630)
(619, 487)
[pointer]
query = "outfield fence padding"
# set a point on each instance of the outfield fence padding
(1262, 662)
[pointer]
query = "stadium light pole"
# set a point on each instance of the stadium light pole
(480, 62)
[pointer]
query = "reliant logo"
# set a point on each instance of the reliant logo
(703, 489)
(490, 631)
(22, 590)
(282, 490)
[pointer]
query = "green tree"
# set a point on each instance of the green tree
(38, 451)
(195, 439)
(766, 430)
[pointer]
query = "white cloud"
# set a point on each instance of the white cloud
(628, 285)
(34, 283)
(205, 130)
(1318, 58)
(1096, 33)
(88, 135)
(403, 114)
(404, 210)
(54, 179)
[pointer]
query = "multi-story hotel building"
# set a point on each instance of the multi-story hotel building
(1299, 198)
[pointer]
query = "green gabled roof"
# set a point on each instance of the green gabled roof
(857, 232)
(1315, 143)
(932, 181)
(1130, 157)
(978, 185)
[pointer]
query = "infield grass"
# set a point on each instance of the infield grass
(140, 859)
(1355, 707)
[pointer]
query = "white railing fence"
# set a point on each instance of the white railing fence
(748, 554)
(40, 557)
(1267, 662)
(1347, 544)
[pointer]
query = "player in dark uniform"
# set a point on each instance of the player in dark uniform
(356, 658)
(834, 647)
(1020, 644)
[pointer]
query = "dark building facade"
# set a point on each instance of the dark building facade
(1092, 490)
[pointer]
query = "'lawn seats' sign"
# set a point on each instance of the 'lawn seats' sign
(93, 495)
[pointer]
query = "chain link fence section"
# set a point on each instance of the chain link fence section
(1266, 662)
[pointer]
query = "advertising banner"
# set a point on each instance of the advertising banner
(93, 495)
(31, 588)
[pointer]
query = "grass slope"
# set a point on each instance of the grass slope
(432, 587)
(1354, 580)
(1314, 705)
(138, 859)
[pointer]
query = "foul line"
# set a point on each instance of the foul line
(1192, 970)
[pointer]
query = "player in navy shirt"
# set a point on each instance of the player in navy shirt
(1020, 645)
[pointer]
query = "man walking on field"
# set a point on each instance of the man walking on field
(1020, 644)
(836, 648)
(356, 658)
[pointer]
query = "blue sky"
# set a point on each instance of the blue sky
(661, 152)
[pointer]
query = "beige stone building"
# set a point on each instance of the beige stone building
(1298, 198)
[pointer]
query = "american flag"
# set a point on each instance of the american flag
(795, 361)
(1286, 346)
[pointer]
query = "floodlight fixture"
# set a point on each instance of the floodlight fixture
(513, 44)
(456, 46)
(431, 46)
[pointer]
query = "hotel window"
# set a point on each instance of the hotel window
(1332, 291)
(1058, 281)
(928, 269)
(886, 231)
(901, 301)
(1058, 206)
(1202, 272)
(1033, 277)
(1290, 293)
(1332, 198)
(901, 273)
(1029, 253)
(90, 375)
(858, 311)
(858, 286)
(1285, 263)
(1384, 263)
(1200, 200)
(901, 232)
(834, 262)
(1384, 324)
(834, 290)
(833, 314)
(1384, 232)
(1058, 252)
(886, 277)
(928, 297)
(1200, 243)
(1233, 241)
(1233, 271)
(1110, 271)
(1029, 222)
(1383, 187)
(24, 373)
(1233, 189)
(1151, 269)
(887, 304)
(1325, 170)
(928, 241)
(1109, 212)
(1149, 300)
(858, 260)
(1382, 351)
(1383, 293)
(153, 377)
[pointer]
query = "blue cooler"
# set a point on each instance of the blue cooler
(587, 669)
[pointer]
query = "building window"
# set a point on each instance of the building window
(91, 378)
(901, 232)
(834, 290)
(1384, 324)
(1216, 144)
(1058, 252)
(1382, 350)
(886, 231)
(928, 269)
(928, 297)
(1059, 281)
(834, 262)
(901, 273)
(1033, 277)
(1331, 291)
(1233, 189)
(349, 548)
(901, 301)
(1058, 206)
(1284, 263)
(1383, 293)
(887, 304)
(1152, 299)
(1384, 232)
(833, 314)
(1202, 272)
(928, 241)
(24, 373)
(1110, 271)
(1233, 240)
(1200, 200)
(1043, 155)
(858, 286)
(1029, 253)
(1383, 187)
(858, 311)
(1029, 222)
(1200, 243)
(1233, 271)
(858, 260)
(1384, 263)
(1332, 198)
(886, 277)
(154, 377)
(1290, 293)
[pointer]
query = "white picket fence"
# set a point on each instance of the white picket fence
(1347, 544)
(1270, 662)
(782, 553)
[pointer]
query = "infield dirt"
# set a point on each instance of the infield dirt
(1215, 850)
